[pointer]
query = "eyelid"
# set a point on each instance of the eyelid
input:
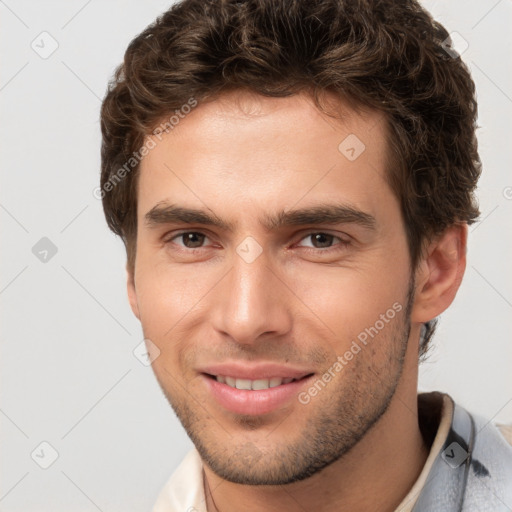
(169, 237)
(343, 238)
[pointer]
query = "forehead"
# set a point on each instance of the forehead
(242, 148)
(247, 111)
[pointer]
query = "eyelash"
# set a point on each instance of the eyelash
(343, 243)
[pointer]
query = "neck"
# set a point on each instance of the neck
(392, 451)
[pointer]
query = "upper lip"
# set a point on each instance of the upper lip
(255, 371)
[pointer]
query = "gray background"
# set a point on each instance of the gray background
(68, 373)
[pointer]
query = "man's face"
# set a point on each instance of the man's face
(255, 301)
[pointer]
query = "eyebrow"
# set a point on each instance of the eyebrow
(164, 213)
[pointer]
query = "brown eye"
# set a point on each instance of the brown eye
(321, 244)
(187, 239)
(192, 240)
(321, 240)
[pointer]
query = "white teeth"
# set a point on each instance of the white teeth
(257, 384)
(260, 384)
(243, 384)
(275, 381)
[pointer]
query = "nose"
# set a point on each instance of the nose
(253, 302)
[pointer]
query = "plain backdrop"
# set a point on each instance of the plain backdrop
(69, 378)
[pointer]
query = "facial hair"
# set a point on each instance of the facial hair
(344, 412)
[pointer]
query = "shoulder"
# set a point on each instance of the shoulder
(183, 492)
(472, 461)
(506, 432)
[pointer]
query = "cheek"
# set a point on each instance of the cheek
(165, 291)
(174, 301)
(163, 301)
(346, 298)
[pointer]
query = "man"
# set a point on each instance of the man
(293, 182)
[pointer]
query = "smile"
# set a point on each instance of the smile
(256, 385)
(254, 396)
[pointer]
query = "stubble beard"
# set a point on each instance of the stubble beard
(345, 411)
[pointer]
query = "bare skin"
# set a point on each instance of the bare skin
(355, 445)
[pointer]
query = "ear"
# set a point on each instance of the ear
(132, 293)
(439, 273)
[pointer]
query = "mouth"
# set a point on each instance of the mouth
(254, 396)
(253, 385)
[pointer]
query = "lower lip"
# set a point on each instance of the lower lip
(263, 401)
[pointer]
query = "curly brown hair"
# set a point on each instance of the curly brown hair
(386, 55)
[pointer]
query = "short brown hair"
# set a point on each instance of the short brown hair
(387, 55)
